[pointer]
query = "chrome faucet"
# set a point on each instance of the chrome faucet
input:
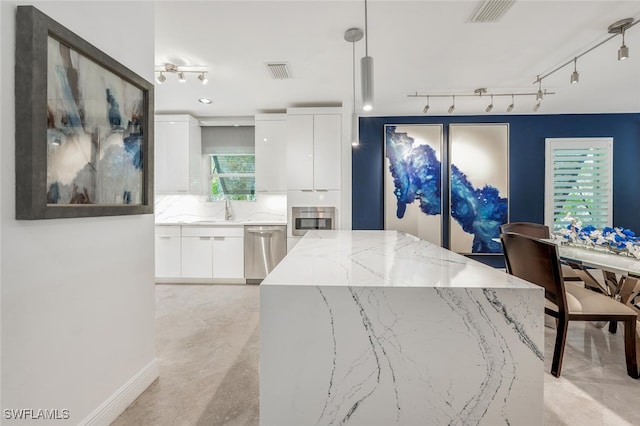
(227, 210)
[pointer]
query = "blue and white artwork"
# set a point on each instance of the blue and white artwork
(478, 184)
(94, 132)
(413, 201)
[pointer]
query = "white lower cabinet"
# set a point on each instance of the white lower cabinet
(197, 253)
(212, 252)
(168, 252)
(228, 257)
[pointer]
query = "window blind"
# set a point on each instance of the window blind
(579, 182)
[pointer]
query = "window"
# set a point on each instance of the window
(579, 181)
(233, 177)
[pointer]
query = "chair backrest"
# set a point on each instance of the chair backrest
(531, 229)
(535, 261)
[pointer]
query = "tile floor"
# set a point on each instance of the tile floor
(207, 342)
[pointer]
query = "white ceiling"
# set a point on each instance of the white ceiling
(417, 46)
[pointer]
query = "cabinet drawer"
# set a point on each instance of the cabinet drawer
(213, 231)
(167, 231)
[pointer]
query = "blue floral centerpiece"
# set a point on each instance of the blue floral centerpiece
(614, 240)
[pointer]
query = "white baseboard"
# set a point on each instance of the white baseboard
(110, 409)
(200, 281)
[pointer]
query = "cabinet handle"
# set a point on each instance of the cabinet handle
(164, 237)
(218, 238)
(205, 238)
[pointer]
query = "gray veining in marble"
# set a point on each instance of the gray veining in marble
(210, 332)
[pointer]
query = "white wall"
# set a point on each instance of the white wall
(77, 295)
(3, 113)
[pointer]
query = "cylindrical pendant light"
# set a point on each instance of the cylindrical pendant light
(366, 69)
(352, 35)
(355, 137)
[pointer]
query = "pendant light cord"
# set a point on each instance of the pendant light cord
(353, 45)
(366, 31)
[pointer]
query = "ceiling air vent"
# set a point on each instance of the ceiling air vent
(491, 10)
(279, 70)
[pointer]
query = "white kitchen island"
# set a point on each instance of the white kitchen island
(381, 328)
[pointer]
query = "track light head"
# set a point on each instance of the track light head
(181, 77)
(536, 107)
(575, 77)
(203, 78)
(426, 108)
(539, 95)
(619, 27)
(512, 104)
(161, 78)
(623, 52)
(489, 107)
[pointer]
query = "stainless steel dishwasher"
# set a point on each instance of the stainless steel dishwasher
(264, 248)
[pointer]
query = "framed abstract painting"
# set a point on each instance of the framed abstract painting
(478, 186)
(84, 133)
(413, 180)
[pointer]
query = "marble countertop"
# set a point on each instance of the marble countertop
(382, 259)
(224, 223)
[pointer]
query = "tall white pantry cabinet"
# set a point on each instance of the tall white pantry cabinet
(313, 149)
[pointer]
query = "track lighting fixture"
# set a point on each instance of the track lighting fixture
(618, 27)
(490, 106)
(366, 68)
(480, 92)
(511, 105)
(575, 77)
(426, 107)
(352, 35)
(169, 68)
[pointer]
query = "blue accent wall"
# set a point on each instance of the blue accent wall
(526, 161)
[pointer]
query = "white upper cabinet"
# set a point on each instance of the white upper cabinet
(178, 148)
(313, 149)
(300, 152)
(327, 131)
(271, 152)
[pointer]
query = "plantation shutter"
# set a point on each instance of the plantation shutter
(579, 181)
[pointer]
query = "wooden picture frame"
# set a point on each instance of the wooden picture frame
(84, 126)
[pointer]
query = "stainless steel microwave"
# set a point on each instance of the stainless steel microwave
(304, 219)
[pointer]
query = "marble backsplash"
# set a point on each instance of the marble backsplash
(194, 208)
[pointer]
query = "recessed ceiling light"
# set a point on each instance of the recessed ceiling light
(205, 101)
